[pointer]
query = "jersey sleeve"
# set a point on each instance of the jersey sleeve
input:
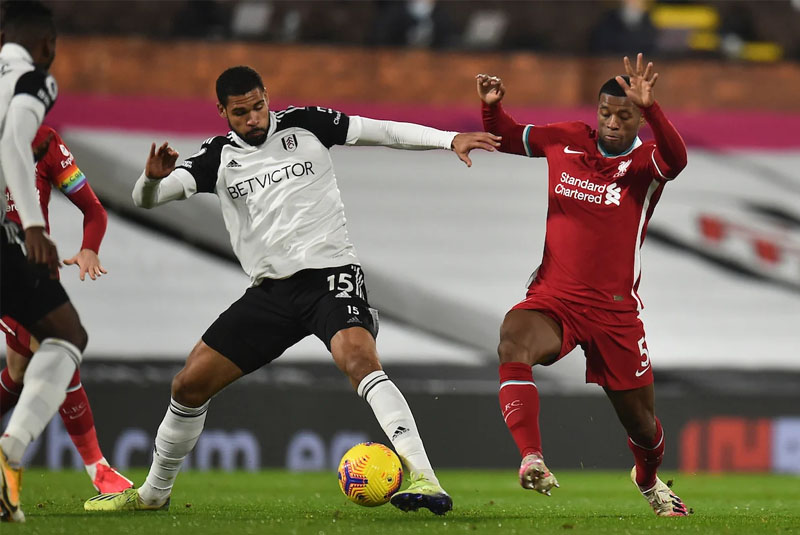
(536, 140)
(524, 139)
(329, 126)
(203, 166)
(668, 158)
(61, 168)
(37, 86)
(95, 218)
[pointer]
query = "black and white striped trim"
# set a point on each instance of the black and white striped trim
(187, 412)
(371, 381)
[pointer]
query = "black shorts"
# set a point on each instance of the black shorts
(278, 313)
(27, 293)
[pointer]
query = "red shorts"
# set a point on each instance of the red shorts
(613, 341)
(17, 338)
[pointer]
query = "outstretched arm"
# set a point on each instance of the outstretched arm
(409, 136)
(669, 157)
(95, 221)
(158, 184)
(491, 91)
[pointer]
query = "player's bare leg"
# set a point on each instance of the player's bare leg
(205, 373)
(527, 337)
(635, 409)
(355, 354)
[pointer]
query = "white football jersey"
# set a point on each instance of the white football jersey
(35, 90)
(279, 200)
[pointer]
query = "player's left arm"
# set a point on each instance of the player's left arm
(669, 157)
(59, 164)
(95, 221)
(410, 136)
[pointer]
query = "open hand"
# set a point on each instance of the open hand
(490, 88)
(465, 142)
(640, 90)
(160, 162)
(88, 262)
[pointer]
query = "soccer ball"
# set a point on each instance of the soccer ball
(369, 473)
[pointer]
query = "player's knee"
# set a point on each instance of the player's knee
(642, 431)
(359, 367)
(510, 351)
(79, 338)
(189, 391)
(76, 335)
(355, 356)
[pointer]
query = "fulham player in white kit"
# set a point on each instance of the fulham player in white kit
(281, 205)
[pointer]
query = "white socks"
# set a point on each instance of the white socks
(46, 381)
(176, 437)
(396, 420)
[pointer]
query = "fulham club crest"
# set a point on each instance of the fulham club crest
(289, 142)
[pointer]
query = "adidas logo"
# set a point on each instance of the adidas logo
(399, 431)
(343, 295)
(233, 163)
(354, 320)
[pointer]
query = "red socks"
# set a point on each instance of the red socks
(519, 401)
(79, 421)
(648, 459)
(9, 392)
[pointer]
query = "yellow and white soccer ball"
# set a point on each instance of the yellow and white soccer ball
(369, 473)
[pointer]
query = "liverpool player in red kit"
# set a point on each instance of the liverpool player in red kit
(56, 167)
(603, 187)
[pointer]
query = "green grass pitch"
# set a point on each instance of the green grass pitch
(277, 501)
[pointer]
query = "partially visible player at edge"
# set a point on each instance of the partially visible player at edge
(603, 187)
(56, 166)
(29, 288)
(274, 178)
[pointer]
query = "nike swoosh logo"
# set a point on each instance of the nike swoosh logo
(639, 373)
(568, 151)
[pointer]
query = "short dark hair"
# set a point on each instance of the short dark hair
(612, 87)
(26, 20)
(237, 81)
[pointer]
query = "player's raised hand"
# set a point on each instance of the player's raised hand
(490, 88)
(89, 264)
(465, 142)
(42, 250)
(161, 161)
(643, 79)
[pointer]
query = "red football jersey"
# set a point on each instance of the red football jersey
(598, 206)
(55, 168)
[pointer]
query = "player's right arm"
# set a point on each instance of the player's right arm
(163, 182)
(159, 183)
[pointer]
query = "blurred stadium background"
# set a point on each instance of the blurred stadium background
(446, 249)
